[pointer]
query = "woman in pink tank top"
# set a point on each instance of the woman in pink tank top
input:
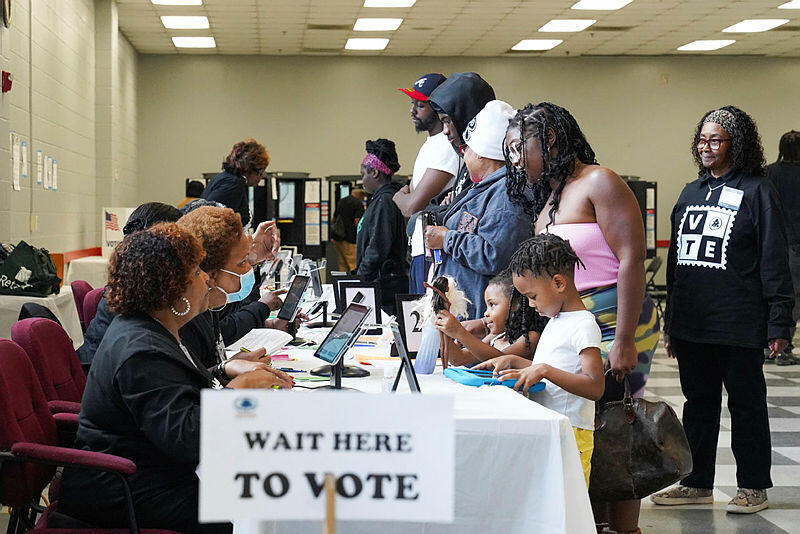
(553, 174)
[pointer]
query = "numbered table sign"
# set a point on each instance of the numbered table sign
(264, 455)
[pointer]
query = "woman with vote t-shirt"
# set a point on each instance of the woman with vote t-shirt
(730, 295)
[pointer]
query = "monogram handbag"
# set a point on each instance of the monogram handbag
(639, 448)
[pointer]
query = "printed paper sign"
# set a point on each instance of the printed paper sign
(264, 455)
(703, 236)
(113, 220)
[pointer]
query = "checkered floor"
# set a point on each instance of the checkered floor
(783, 515)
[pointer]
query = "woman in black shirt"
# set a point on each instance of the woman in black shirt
(730, 295)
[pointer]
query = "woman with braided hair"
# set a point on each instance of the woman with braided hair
(729, 295)
(554, 176)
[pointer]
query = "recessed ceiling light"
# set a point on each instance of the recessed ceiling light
(537, 44)
(185, 23)
(755, 25)
(366, 44)
(194, 42)
(794, 4)
(377, 25)
(389, 3)
(177, 2)
(567, 25)
(601, 5)
(698, 46)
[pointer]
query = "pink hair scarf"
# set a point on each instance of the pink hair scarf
(371, 160)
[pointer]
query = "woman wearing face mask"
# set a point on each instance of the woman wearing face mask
(231, 278)
(142, 396)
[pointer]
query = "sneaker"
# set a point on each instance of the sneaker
(683, 495)
(786, 359)
(748, 501)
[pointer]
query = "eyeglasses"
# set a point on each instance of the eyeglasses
(713, 144)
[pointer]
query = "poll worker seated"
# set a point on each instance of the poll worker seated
(142, 397)
(231, 278)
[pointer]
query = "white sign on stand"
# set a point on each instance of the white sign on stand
(264, 455)
(112, 221)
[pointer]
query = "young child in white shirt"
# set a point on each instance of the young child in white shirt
(567, 357)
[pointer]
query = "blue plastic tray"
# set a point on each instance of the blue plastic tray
(480, 377)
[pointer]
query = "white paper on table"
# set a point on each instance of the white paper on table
(55, 174)
(269, 338)
(15, 162)
(25, 159)
(39, 158)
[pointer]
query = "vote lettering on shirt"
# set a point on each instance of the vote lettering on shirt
(703, 236)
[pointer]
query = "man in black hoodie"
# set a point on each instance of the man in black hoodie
(457, 101)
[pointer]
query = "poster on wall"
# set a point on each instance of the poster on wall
(312, 206)
(16, 163)
(113, 220)
(323, 212)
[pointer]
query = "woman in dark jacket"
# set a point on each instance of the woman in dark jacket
(142, 397)
(730, 295)
(381, 241)
(244, 167)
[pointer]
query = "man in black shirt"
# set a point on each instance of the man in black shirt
(348, 212)
(785, 176)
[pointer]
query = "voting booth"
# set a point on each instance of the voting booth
(295, 201)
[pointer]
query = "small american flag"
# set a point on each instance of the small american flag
(111, 222)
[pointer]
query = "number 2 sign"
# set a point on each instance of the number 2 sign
(410, 322)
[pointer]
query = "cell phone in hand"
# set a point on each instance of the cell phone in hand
(429, 219)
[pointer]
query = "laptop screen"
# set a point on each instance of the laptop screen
(342, 334)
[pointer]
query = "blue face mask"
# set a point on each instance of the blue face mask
(246, 283)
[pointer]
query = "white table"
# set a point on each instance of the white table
(92, 269)
(517, 465)
(62, 306)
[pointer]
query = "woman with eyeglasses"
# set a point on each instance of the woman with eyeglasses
(730, 295)
(244, 167)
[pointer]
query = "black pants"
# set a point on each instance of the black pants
(704, 368)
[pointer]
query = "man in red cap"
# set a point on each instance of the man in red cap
(434, 170)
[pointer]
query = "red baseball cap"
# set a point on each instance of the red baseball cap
(424, 86)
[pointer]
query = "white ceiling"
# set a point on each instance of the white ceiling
(463, 27)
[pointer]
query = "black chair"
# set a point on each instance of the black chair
(657, 292)
(32, 309)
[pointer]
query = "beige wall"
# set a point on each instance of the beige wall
(314, 113)
(50, 50)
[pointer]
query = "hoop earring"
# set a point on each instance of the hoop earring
(184, 312)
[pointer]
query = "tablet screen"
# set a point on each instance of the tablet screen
(342, 333)
(292, 301)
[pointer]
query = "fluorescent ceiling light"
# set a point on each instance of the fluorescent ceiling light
(177, 2)
(537, 44)
(366, 44)
(377, 25)
(601, 5)
(185, 23)
(567, 25)
(194, 42)
(698, 46)
(755, 25)
(794, 4)
(389, 3)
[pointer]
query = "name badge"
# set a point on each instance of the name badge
(730, 198)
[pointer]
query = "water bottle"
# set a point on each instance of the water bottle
(428, 349)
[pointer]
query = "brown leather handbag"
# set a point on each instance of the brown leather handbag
(639, 448)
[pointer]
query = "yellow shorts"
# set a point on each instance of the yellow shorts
(585, 439)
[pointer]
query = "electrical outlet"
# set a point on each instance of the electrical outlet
(34, 222)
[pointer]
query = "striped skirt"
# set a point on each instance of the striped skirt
(602, 302)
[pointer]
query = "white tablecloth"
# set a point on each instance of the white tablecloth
(62, 306)
(517, 464)
(92, 269)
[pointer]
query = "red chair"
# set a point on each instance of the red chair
(30, 452)
(90, 303)
(56, 363)
(79, 290)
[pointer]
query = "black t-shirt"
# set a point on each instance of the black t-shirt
(786, 179)
(231, 190)
(349, 209)
(728, 274)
